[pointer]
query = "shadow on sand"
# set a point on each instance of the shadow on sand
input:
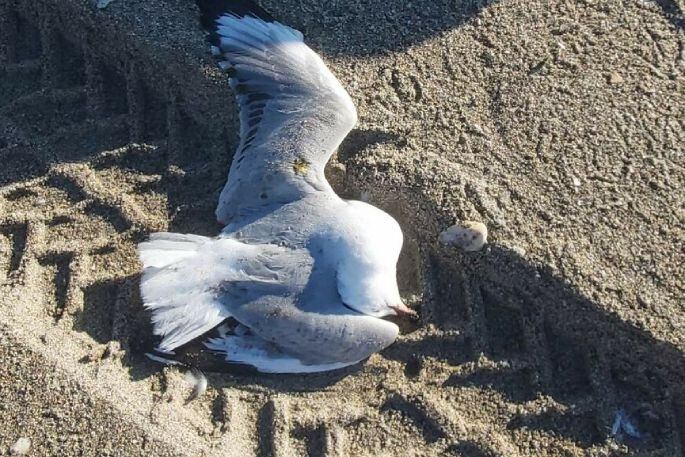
(673, 12)
(362, 28)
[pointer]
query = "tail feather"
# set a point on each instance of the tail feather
(163, 248)
(176, 285)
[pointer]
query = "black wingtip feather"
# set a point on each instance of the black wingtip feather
(210, 10)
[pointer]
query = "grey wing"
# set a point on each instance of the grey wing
(318, 338)
(293, 111)
(301, 312)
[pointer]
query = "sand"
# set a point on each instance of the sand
(559, 125)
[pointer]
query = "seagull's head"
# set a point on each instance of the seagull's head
(367, 278)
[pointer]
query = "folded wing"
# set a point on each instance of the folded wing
(290, 304)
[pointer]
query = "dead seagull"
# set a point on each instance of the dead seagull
(306, 275)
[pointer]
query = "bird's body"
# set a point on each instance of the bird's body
(307, 275)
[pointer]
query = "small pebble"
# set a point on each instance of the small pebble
(476, 129)
(521, 252)
(615, 78)
(468, 235)
(21, 447)
(174, 171)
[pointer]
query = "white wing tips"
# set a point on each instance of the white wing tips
(242, 25)
(250, 29)
(264, 55)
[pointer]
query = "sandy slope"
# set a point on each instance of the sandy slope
(558, 124)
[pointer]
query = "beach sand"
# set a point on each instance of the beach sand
(557, 124)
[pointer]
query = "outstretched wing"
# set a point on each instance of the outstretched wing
(293, 112)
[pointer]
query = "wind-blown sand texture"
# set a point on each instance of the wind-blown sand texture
(558, 124)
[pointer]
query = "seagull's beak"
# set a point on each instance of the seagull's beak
(403, 310)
